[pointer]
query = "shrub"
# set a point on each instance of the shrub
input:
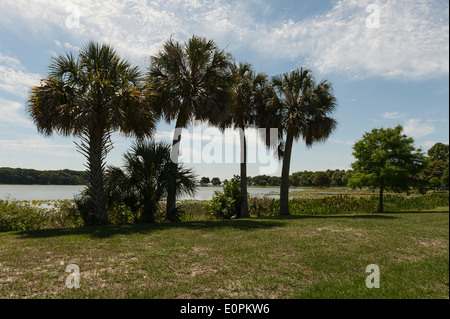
(226, 204)
(264, 206)
(16, 216)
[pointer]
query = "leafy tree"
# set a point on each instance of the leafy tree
(216, 181)
(440, 152)
(204, 181)
(386, 159)
(192, 82)
(90, 97)
(321, 179)
(300, 108)
(435, 183)
(142, 183)
(433, 172)
(445, 179)
(338, 178)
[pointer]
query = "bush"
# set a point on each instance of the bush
(23, 215)
(16, 216)
(227, 204)
(259, 207)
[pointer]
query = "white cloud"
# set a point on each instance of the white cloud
(16, 81)
(10, 113)
(37, 144)
(412, 41)
(14, 77)
(392, 115)
(427, 144)
(417, 128)
(338, 141)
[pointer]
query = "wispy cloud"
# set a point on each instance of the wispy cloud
(392, 115)
(36, 144)
(338, 141)
(14, 78)
(417, 128)
(10, 113)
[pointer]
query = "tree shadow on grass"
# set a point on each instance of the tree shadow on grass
(439, 211)
(112, 230)
(356, 216)
(239, 224)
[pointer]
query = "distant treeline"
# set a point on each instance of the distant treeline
(31, 176)
(328, 178)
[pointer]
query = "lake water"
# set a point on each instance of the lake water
(56, 192)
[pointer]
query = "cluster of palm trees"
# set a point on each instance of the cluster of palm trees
(98, 93)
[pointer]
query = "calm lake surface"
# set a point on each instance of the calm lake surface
(57, 192)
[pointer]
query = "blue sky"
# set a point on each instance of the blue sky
(393, 72)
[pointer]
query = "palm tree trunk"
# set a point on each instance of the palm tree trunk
(244, 213)
(95, 173)
(284, 189)
(171, 187)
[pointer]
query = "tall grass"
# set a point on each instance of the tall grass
(16, 216)
(343, 204)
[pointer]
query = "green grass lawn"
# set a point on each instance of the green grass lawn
(293, 257)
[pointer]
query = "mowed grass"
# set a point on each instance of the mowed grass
(292, 257)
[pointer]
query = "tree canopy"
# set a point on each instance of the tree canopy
(387, 159)
(439, 151)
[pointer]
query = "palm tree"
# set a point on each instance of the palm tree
(300, 108)
(90, 97)
(142, 183)
(249, 94)
(192, 83)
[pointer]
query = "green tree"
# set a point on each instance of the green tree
(386, 159)
(192, 82)
(300, 108)
(434, 172)
(204, 181)
(321, 179)
(216, 181)
(142, 183)
(439, 151)
(90, 97)
(338, 178)
(445, 179)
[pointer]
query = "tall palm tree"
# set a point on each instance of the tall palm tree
(192, 81)
(300, 108)
(90, 97)
(142, 183)
(249, 94)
